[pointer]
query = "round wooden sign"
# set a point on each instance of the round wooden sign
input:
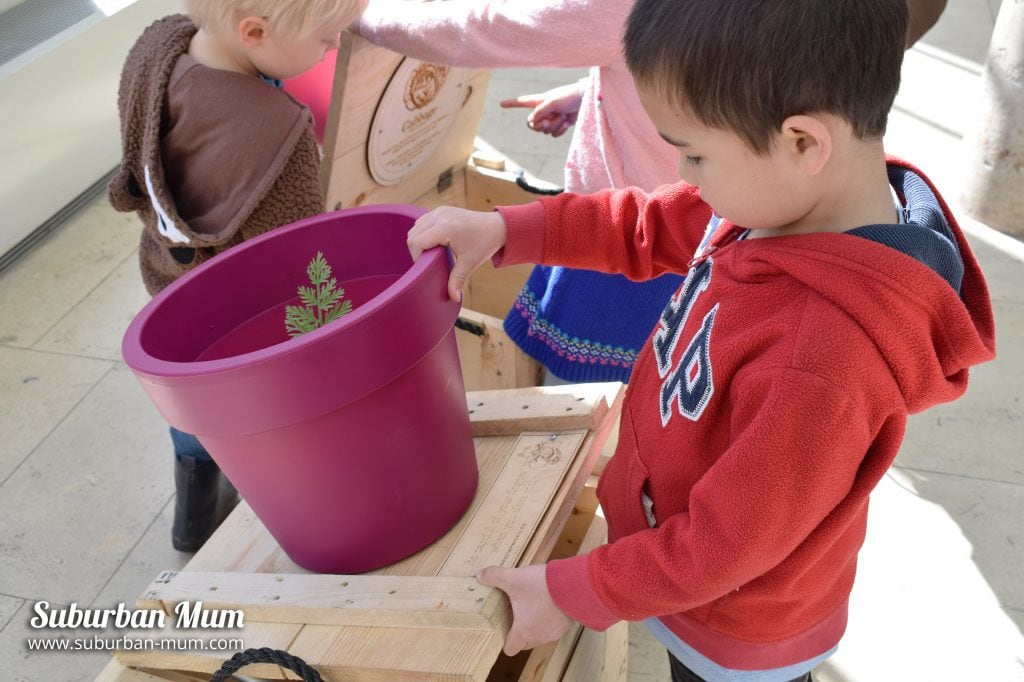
(419, 105)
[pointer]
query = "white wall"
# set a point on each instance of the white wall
(8, 4)
(58, 116)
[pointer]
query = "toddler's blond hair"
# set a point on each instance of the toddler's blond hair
(294, 18)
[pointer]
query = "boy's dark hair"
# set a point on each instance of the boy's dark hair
(747, 65)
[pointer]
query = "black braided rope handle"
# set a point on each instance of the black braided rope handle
(266, 655)
(533, 189)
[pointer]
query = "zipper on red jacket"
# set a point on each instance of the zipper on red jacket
(729, 237)
(704, 255)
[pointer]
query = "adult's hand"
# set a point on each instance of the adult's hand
(554, 111)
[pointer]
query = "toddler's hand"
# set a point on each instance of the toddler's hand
(473, 236)
(536, 619)
(554, 111)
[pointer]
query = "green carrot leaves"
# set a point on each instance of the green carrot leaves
(323, 300)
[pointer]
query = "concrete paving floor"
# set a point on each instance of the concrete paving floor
(86, 490)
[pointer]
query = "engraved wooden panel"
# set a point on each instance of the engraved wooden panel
(361, 79)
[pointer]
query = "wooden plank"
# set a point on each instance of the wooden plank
(489, 358)
(396, 654)
(580, 518)
(610, 438)
(587, 660)
(335, 136)
(541, 664)
(542, 544)
(115, 672)
(551, 408)
(207, 661)
(616, 653)
(492, 290)
(363, 600)
(373, 655)
(176, 675)
(548, 531)
(487, 188)
(504, 524)
(588, 656)
(543, 541)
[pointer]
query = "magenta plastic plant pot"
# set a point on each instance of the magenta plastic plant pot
(352, 442)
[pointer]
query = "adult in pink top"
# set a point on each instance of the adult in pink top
(614, 144)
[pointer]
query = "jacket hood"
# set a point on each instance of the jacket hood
(203, 147)
(915, 288)
(140, 96)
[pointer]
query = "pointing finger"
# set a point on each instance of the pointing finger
(521, 101)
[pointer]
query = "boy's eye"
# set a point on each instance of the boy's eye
(693, 160)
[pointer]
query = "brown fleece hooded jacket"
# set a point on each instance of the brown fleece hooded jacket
(210, 157)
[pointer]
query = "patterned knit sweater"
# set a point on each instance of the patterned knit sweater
(209, 157)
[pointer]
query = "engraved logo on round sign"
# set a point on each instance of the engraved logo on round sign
(418, 108)
(424, 84)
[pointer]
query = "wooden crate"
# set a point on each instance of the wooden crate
(489, 358)
(425, 617)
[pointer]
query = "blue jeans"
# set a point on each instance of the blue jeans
(187, 445)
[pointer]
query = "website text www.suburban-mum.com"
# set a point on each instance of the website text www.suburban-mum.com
(96, 643)
(189, 616)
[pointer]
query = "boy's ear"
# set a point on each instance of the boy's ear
(252, 31)
(808, 140)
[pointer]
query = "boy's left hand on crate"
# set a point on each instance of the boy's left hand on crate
(536, 619)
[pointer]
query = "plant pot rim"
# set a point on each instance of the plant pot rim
(140, 360)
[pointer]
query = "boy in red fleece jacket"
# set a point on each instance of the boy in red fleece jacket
(829, 294)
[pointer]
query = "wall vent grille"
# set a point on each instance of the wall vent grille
(33, 22)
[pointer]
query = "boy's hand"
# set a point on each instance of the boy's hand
(554, 111)
(473, 236)
(536, 619)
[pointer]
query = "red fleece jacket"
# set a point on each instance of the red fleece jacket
(762, 411)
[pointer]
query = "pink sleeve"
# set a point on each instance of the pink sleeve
(500, 33)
